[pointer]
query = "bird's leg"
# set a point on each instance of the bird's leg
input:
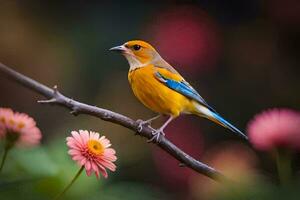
(156, 133)
(146, 122)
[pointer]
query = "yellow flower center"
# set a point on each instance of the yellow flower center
(21, 125)
(2, 119)
(95, 147)
(12, 122)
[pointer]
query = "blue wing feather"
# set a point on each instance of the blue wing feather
(183, 88)
(187, 90)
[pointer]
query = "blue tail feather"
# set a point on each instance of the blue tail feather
(228, 125)
(203, 111)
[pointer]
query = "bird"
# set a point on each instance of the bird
(163, 90)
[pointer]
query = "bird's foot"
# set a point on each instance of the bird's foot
(156, 135)
(142, 123)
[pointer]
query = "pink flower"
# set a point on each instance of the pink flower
(275, 128)
(5, 115)
(92, 151)
(19, 128)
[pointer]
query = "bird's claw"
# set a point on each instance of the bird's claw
(141, 123)
(156, 136)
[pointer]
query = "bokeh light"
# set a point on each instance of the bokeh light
(236, 161)
(187, 136)
(186, 37)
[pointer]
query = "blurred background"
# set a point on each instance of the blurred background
(242, 57)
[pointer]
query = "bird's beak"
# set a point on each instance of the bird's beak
(121, 49)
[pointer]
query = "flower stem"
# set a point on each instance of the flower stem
(70, 184)
(6, 149)
(283, 160)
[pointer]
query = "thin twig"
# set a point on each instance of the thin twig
(76, 107)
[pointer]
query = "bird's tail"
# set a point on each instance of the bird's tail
(205, 112)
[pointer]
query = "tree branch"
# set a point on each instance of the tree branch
(55, 97)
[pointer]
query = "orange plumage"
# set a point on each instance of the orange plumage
(162, 89)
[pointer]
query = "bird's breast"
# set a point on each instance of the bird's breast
(155, 95)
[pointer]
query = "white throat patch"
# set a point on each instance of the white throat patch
(133, 62)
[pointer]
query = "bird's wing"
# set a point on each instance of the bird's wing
(177, 83)
(161, 63)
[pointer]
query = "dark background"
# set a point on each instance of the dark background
(242, 57)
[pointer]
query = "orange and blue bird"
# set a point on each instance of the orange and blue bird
(162, 89)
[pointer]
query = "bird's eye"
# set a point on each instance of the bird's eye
(136, 47)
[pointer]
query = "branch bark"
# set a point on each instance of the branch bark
(55, 97)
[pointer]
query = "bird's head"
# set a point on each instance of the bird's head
(137, 52)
